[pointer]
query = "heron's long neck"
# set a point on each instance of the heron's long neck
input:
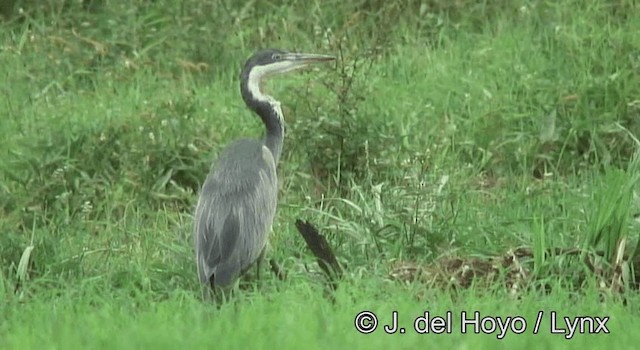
(268, 109)
(271, 116)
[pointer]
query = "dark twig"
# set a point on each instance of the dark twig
(322, 251)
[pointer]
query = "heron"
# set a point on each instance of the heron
(238, 199)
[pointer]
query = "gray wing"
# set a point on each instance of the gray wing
(234, 213)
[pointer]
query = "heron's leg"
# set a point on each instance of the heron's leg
(277, 270)
(259, 265)
(208, 291)
(216, 294)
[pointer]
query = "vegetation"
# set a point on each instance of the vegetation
(459, 156)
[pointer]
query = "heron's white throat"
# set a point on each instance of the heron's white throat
(261, 72)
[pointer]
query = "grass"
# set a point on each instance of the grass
(453, 150)
(259, 321)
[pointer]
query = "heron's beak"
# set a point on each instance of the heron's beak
(295, 61)
(300, 60)
(306, 58)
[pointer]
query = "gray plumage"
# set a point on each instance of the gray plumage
(244, 195)
(238, 199)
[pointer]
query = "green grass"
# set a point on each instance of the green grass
(460, 130)
(287, 319)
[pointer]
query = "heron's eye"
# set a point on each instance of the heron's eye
(276, 57)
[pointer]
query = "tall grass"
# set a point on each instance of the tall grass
(458, 156)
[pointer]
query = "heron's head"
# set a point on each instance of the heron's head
(269, 62)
